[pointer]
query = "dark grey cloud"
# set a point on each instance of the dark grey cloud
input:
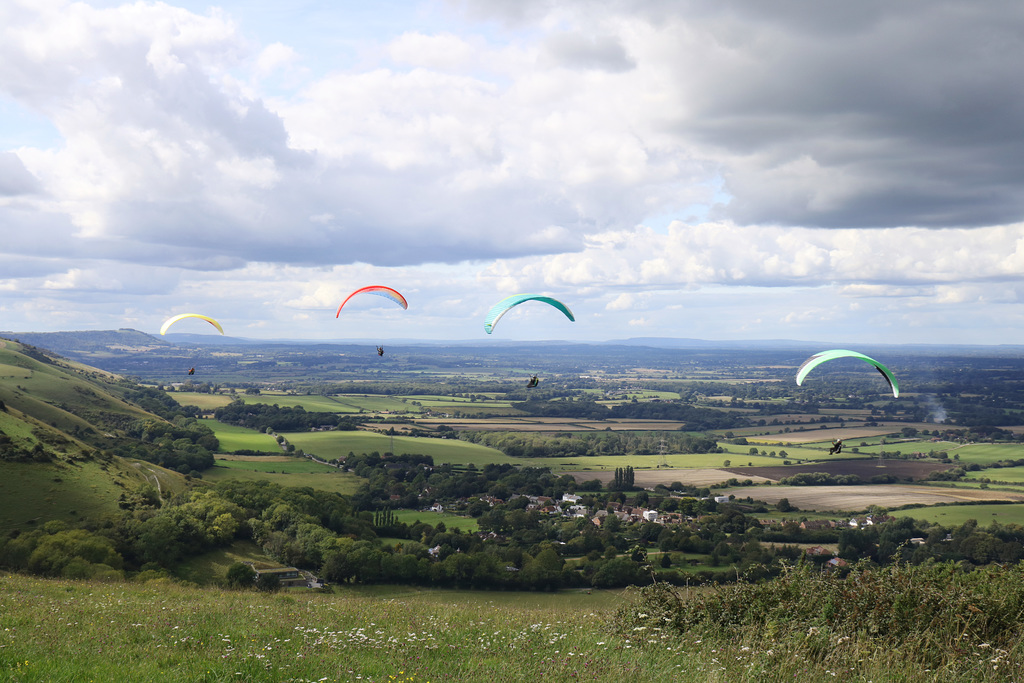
(866, 114)
(908, 112)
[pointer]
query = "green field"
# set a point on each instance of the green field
(739, 454)
(342, 403)
(336, 481)
(160, 631)
(983, 453)
(955, 515)
(432, 518)
(201, 400)
(338, 444)
(331, 445)
(234, 438)
(1013, 475)
(283, 464)
(56, 630)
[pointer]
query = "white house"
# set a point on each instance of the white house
(650, 515)
(570, 498)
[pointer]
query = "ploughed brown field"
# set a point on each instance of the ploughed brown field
(865, 468)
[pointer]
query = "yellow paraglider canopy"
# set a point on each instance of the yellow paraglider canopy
(170, 321)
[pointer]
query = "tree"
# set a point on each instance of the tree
(240, 575)
(783, 505)
(268, 583)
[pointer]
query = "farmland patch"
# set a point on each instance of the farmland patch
(651, 478)
(865, 468)
(823, 498)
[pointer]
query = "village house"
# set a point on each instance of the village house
(817, 524)
(287, 577)
(577, 511)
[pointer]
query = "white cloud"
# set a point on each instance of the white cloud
(524, 154)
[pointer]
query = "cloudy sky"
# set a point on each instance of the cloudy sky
(769, 169)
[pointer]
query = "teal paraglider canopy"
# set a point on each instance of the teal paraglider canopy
(825, 356)
(502, 307)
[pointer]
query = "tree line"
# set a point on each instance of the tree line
(261, 417)
(532, 445)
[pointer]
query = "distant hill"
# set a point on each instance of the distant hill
(74, 343)
(60, 422)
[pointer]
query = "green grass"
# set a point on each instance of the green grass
(32, 493)
(273, 463)
(211, 568)
(342, 403)
(983, 453)
(432, 518)
(17, 429)
(336, 481)
(740, 454)
(1013, 475)
(69, 631)
(200, 400)
(57, 630)
(234, 438)
(331, 445)
(955, 515)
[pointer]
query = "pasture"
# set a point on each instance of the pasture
(740, 453)
(983, 453)
(340, 403)
(432, 518)
(1010, 475)
(338, 444)
(854, 498)
(652, 477)
(329, 480)
(235, 438)
(284, 464)
(955, 515)
(203, 401)
(549, 424)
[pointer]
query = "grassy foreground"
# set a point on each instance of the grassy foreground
(55, 630)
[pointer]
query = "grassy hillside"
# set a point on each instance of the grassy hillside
(57, 630)
(33, 492)
(57, 420)
(84, 403)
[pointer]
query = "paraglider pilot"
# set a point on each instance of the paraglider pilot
(191, 371)
(380, 350)
(837, 447)
(533, 382)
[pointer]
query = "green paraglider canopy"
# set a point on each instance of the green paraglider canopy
(819, 358)
(502, 307)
